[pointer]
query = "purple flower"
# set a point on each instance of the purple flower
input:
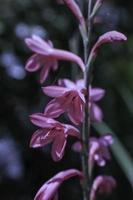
(51, 131)
(73, 6)
(49, 191)
(102, 185)
(46, 57)
(109, 37)
(68, 99)
(96, 94)
(98, 149)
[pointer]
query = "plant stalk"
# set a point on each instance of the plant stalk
(86, 123)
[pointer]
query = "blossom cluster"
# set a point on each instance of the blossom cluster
(68, 98)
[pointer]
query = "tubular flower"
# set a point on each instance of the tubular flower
(51, 131)
(96, 113)
(46, 57)
(102, 185)
(109, 37)
(68, 99)
(73, 6)
(98, 149)
(49, 191)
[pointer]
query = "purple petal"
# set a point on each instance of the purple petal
(71, 130)
(54, 91)
(53, 109)
(58, 147)
(40, 120)
(36, 44)
(40, 138)
(96, 94)
(96, 113)
(73, 6)
(66, 55)
(44, 73)
(33, 63)
(67, 83)
(75, 112)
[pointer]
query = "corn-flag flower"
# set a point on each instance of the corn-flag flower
(98, 149)
(51, 131)
(49, 191)
(46, 57)
(69, 98)
(102, 185)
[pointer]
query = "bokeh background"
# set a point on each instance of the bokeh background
(24, 170)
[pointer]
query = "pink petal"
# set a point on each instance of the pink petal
(71, 130)
(96, 113)
(67, 83)
(66, 55)
(58, 147)
(40, 138)
(40, 120)
(44, 73)
(49, 189)
(33, 63)
(54, 91)
(75, 113)
(96, 94)
(53, 109)
(38, 45)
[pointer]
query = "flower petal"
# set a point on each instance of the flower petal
(71, 130)
(66, 55)
(96, 94)
(58, 147)
(40, 138)
(96, 113)
(44, 72)
(40, 120)
(54, 91)
(33, 63)
(67, 83)
(53, 109)
(38, 45)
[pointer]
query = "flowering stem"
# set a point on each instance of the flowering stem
(86, 123)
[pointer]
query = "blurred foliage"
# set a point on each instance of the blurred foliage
(24, 170)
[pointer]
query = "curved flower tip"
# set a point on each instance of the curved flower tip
(109, 37)
(73, 6)
(51, 131)
(49, 190)
(102, 185)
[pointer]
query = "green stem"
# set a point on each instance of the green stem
(86, 124)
